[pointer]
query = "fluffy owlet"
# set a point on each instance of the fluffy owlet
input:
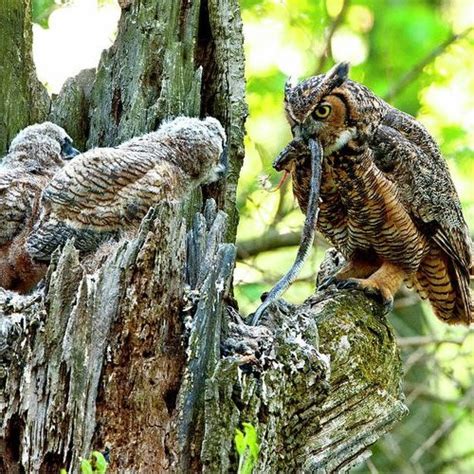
(35, 154)
(387, 201)
(107, 191)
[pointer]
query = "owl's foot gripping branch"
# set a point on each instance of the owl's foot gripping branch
(380, 283)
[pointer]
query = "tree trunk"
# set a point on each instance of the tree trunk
(148, 355)
(23, 99)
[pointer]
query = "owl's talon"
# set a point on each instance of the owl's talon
(376, 294)
(326, 283)
(373, 292)
(387, 305)
(348, 285)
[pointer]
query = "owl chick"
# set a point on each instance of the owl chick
(107, 191)
(387, 201)
(35, 154)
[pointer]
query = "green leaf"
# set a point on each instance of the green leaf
(42, 9)
(86, 467)
(246, 444)
(239, 441)
(98, 462)
(252, 439)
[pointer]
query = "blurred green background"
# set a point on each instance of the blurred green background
(419, 56)
(416, 54)
(384, 41)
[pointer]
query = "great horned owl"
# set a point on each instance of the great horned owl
(35, 154)
(387, 202)
(107, 191)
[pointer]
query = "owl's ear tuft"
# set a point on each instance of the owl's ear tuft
(289, 85)
(339, 73)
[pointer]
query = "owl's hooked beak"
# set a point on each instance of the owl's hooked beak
(68, 152)
(71, 154)
(220, 170)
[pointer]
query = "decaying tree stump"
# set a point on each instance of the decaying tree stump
(321, 381)
(147, 354)
(99, 359)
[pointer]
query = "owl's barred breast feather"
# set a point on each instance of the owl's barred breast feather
(388, 203)
(106, 191)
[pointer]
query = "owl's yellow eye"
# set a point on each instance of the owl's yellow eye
(322, 111)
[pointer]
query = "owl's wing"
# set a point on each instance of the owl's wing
(107, 188)
(16, 203)
(98, 195)
(410, 158)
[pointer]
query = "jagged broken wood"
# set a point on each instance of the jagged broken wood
(321, 383)
(101, 354)
(148, 356)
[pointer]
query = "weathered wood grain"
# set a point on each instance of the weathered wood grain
(23, 99)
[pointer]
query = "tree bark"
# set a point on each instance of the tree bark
(23, 99)
(148, 355)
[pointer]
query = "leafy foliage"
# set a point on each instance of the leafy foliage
(95, 464)
(246, 444)
(42, 9)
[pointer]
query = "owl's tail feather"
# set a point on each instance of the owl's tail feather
(446, 286)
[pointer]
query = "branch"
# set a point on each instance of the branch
(438, 466)
(317, 406)
(320, 383)
(269, 277)
(415, 391)
(416, 70)
(332, 29)
(446, 427)
(417, 341)
(272, 240)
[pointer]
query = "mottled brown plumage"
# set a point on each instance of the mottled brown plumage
(388, 203)
(105, 192)
(35, 154)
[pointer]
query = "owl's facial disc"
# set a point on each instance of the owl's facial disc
(327, 123)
